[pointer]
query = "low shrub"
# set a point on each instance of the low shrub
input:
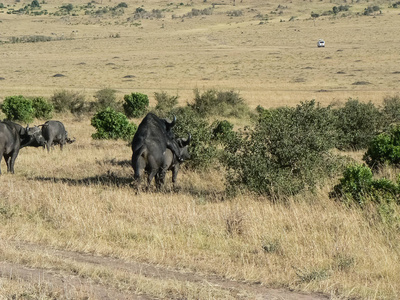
(356, 181)
(358, 186)
(135, 105)
(222, 103)
(165, 102)
(43, 109)
(69, 101)
(106, 98)
(18, 108)
(112, 125)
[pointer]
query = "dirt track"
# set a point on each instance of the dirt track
(76, 284)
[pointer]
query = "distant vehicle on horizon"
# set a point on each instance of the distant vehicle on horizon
(321, 43)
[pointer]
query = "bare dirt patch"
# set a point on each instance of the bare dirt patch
(60, 279)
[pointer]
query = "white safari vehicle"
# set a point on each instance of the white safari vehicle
(321, 43)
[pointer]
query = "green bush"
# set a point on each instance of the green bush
(135, 105)
(357, 124)
(112, 125)
(69, 101)
(286, 152)
(106, 98)
(384, 149)
(43, 109)
(18, 108)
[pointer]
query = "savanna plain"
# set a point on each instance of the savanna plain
(73, 227)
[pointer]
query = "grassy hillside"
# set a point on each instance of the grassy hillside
(267, 52)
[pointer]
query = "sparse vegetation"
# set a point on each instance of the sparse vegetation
(69, 101)
(165, 102)
(106, 98)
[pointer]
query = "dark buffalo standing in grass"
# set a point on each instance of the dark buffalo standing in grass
(171, 163)
(13, 137)
(55, 134)
(152, 138)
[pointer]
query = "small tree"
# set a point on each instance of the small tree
(135, 105)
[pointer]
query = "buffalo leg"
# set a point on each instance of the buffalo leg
(7, 158)
(160, 178)
(175, 173)
(12, 160)
(1, 155)
(48, 145)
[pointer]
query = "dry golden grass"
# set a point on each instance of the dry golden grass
(80, 200)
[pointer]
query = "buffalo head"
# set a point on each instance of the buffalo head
(34, 137)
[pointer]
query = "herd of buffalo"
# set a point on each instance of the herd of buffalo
(155, 148)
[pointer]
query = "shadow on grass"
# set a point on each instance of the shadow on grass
(109, 179)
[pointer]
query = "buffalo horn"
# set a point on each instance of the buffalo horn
(172, 123)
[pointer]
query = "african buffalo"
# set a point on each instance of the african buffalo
(13, 137)
(55, 134)
(29, 136)
(152, 138)
(171, 162)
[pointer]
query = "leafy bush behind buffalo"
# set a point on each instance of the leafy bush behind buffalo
(286, 152)
(111, 124)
